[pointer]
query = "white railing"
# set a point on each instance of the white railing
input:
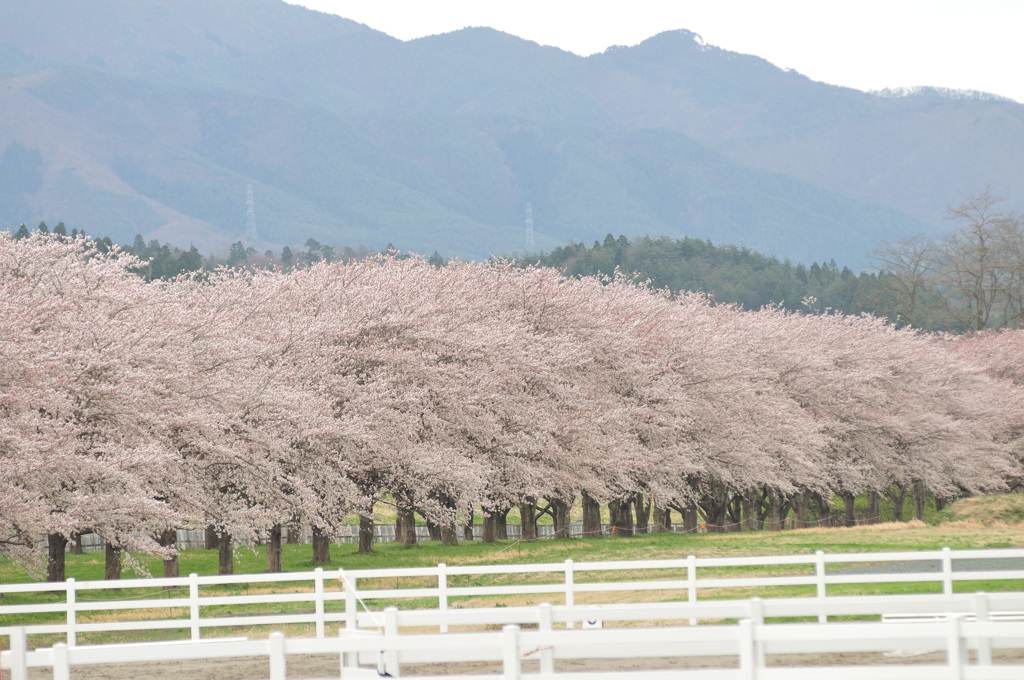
(750, 641)
(335, 596)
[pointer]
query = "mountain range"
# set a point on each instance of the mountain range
(153, 117)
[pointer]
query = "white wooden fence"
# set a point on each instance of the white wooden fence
(335, 596)
(751, 641)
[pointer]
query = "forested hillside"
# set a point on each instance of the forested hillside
(730, 274)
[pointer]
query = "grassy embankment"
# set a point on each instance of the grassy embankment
(993, 522)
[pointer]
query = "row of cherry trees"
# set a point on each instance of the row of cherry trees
(244, 399)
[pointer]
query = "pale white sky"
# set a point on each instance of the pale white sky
(866, 44)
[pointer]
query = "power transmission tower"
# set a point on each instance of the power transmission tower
(530, 245)
(250, 216)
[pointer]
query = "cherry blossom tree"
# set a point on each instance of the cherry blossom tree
(82, 409)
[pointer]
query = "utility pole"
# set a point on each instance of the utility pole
(530, 245)
(250, 217)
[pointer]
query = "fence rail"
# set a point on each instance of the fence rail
(337, 596)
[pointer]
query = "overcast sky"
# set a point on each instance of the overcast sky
(866, 44)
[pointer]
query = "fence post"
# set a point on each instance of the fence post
(545, 624)
(390, 632)
(747, 659)
(947, 572)
(955, 648)
(19, 647)
(757, 616)
(318, 592)
(193, 603)
(691, 585)
(72, 599)
(278, 662)
(570, 596)
(981, 616)
(819, 572)
(442, 595)
(61, 665)
(348, 659)
(510, 658)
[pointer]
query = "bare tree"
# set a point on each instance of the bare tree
(906, 267)
(975, 267)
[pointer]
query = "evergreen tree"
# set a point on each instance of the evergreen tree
(237, 256)
(60, 229)
(21, 233)
(43, 229)
(139, 246)
(190, 261)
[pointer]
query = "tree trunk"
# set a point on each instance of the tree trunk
(55, 558)
(226, 554)
(940, 504)
(691, 519)
(591, 517)
(295, 530)
(366, 533)
(715, 505)
(212, 540)
(434, 531)
(169, 539)
(658, 521)
(873, 498)
(749, 504)
(561, 516)
(775, 521)
(405, 527)
(449, 537)
(849, 519)
(920, 499)
(824, 511)
(620, 513)
(467, 529)
(112, 563)
(274, 565)
(75, 545)
(528, 516)
(490, 528)
(643, 513)
(800, 503)
(734, 513)
(501, 524)
(898, 495)
(321, 546)
(718, 519)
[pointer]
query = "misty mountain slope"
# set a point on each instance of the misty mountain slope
(151, 116)
(920, 156)
(871, 148)
(139, 36)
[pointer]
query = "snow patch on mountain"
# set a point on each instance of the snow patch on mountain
(944, 92)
